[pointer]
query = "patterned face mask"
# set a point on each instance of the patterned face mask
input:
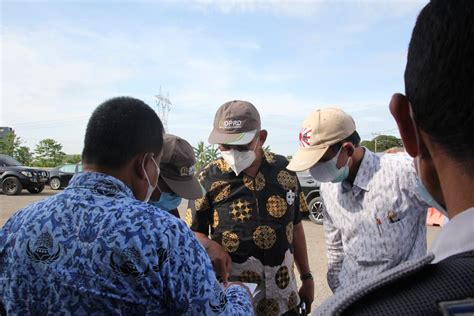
(328, 172)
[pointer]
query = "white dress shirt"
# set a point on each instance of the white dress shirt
(376, 223)
(456, 237)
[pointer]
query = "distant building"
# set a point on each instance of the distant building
(4, 131)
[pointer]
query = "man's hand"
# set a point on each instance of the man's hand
(306, 293)
(220, 259)
(240, 284)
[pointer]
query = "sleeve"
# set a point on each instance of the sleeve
(301, 205)
(190, 284)
(199, 213)
(335, 252)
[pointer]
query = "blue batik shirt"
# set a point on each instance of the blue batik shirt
(95, 249)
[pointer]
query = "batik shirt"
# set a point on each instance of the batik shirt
(94, 249)
(375, 224)
(253, 218)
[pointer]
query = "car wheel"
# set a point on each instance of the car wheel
(37, 189)
(11, 186)
(55, 184)
(316, 208)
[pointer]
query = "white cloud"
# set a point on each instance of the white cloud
(301, 8)
(62, 72)
(371, 9)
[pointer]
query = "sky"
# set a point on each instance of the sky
(61, 59)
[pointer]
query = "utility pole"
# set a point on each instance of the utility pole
(375, 140)
(163, 105)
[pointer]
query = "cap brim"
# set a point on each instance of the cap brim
(305, 158)
(188, 189)
(232, 139)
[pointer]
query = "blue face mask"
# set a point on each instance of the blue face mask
(428, 198)
(328, 172)
(167, 201)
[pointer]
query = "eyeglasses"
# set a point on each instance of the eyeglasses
(226, 147)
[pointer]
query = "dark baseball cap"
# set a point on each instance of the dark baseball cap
(177, 167)
(236, 123)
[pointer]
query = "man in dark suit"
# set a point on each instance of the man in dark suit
(436, 123)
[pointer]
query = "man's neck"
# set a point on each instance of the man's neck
(120, 174)
(356, 160)
(457, 186)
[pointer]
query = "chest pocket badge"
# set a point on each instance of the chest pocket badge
(290, 197)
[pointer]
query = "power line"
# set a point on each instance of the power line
(54, 121)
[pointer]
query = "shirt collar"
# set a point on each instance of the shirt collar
(100, 182)
(456, 237)
(367, 169)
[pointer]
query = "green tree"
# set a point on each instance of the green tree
(23, 155)
(9, 143)
(370, 144)
(72, 159)
(205, 154)
(382, 143)
(48, 153)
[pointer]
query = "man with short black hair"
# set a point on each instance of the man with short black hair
(97, 247)
(436, 123)
(373, 219)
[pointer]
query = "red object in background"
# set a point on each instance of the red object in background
(435, 218)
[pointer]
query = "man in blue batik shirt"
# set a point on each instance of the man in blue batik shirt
(98, 248)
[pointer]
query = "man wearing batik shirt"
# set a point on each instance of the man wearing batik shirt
(99, 248)
(252, 213)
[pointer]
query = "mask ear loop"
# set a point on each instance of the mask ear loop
(144, 170)
(255, 147)
(158, 185)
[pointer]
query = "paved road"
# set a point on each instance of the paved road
(314, 236)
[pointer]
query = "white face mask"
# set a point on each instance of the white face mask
(425, 194)
(150, 188)
(328, 172)
(239, 160)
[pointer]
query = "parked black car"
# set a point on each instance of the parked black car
(60, 176)
(310, 189)
(14, 177)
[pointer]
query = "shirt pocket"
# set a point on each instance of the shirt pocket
(385, 234)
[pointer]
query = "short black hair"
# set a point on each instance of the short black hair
(439, 76)
(354, 138)
(119, 129)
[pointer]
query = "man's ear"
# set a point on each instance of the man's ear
(400, 109)
(263, 136)
(349, 148)
(138, 164)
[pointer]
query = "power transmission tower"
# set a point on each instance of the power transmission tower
(163, 105)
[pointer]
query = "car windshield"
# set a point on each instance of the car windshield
(9, 161)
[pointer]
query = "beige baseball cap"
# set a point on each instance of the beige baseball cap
(320, 130)
(177, 167)
(236, 123)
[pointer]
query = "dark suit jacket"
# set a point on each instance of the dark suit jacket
(413, 288)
